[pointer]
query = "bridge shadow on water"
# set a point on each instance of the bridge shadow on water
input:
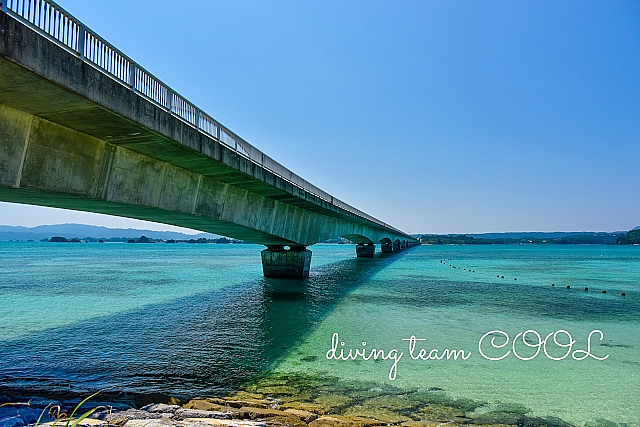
(205, 344)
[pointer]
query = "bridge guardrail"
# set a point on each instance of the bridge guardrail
(52, 21)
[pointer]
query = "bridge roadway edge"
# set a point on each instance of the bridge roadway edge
(121, 125)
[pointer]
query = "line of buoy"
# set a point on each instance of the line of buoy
(604, 291)
(453, 266)
(515, 278)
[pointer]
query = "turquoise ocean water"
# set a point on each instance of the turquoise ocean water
(189, 320)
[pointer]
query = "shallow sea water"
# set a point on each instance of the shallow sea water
(190, 320)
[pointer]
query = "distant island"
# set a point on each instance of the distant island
(89, 233)
(524, 239)
(60, 239)
(142, 239)
(92, 233)
(631, 238)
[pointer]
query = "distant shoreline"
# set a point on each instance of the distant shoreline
(90, 233)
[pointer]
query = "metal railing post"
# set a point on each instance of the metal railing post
(81, 42)
(132, 78)
(170, 100)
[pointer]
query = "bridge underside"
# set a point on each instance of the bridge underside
(72, 137)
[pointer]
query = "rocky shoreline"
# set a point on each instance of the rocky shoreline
(239, 410)
(282, 400)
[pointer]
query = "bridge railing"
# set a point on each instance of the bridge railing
(51, 20)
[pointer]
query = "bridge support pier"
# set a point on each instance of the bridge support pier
(365, 250)
(386, 248)
(396, 246)
(280, 262)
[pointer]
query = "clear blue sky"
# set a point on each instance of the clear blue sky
(433, 116)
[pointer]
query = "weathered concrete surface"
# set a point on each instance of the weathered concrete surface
(365, 250)
(294, 263)
(72, 137)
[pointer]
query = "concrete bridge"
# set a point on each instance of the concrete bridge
(84, 127)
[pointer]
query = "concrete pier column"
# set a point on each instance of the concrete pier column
(286, 263)
(386, 248)
(365, 250)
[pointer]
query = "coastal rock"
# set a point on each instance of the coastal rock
(305, 416)
(302, 396)
(26, 413)
(305, 406)
(291, 421)
(152, 423)
(423, 424)
(254, 403)
(206, 422)
(12, 422)
(343, 421)
(382, 414)
(29, 415)
(329, 421)
(257, 413)
(87, 422)
(129, 414)
(160, 408)
(182, 413)
(209, 404)
(216, 404)
(497, 425)
(333, 401)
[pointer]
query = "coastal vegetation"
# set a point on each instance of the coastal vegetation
(631, 238)
(60, 239)
(141, 239)
(570, 239)
(91, 233)
(144, 239)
